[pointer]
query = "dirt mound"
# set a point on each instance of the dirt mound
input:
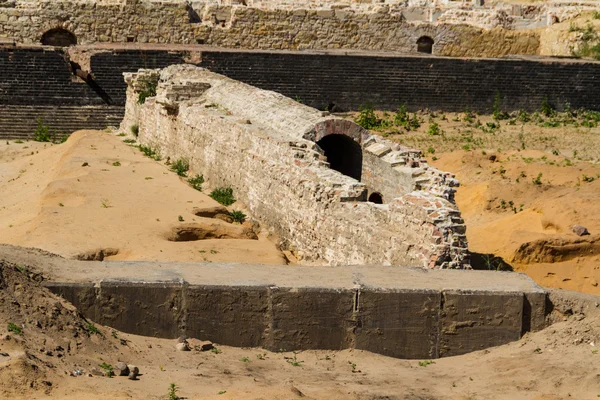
(94, 194)
(212, 230)
(42, 337)
(556, 250)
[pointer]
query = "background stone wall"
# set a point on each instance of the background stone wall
(174, 21)
(37, 82)
(438, 83)
(319, 213)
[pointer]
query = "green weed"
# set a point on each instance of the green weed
(434, 129)
(14, 328)
(172, 393)
(366, 117)
(108, 369)
(149, 90)
(238, 216)
(223, 195)
(42, 132)
(181, 167)
(196, 182)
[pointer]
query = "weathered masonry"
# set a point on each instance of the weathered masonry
(67, 22)
(303, 173)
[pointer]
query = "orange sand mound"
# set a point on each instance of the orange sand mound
(120, 201)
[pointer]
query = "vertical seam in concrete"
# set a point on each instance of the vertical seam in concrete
(355, 320)
(438, 336)
(184, 309)
(269, 319)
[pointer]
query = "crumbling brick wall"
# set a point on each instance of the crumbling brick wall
(262, 144)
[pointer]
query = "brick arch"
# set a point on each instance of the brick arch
(58, 37)
(337, 126)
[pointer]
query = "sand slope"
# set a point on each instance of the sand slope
(120, 201)
(534, 234)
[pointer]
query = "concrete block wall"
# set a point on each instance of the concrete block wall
(263, 146)
(396, 311)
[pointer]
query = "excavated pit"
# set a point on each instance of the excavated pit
(213, 230)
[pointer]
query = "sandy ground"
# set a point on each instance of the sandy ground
(511, 214)
(559, 362)
(121, 201)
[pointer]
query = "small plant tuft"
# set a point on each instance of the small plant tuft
(42, 132)
(135, 130)
(181, 167)
(108, 369)
(92, 329)
(367, 118)
(538, 179)
(223, 195)
(172, 393)
(238, 216)
(294, 361)
(14, 328)
(196, 182)
(149, 152)
(149, 90)
(434, 129)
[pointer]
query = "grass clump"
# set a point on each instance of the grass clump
(149, 90)
(181, 167)
(434, 129)
(14, 328)
(223, 195)
(42, 132)
(238, 216)
(367, 118)
(196, 182)
(149, 152)
(135, 130)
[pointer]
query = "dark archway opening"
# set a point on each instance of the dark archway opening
(376, 198)
(58, 37)
(425, 45)
(343, 154)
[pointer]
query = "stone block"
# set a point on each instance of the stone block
(81, 295)
(310, 318)
(471, 321)
(400, 324)
(229, 315)
(149, 309)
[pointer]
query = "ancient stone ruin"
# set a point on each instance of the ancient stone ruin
(314, 179)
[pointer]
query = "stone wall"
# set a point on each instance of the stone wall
(438, 83)
(174, 21)
(263, 145)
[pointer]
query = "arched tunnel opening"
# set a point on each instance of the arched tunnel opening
(343, 154)
(59, 37)
(376, 198)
